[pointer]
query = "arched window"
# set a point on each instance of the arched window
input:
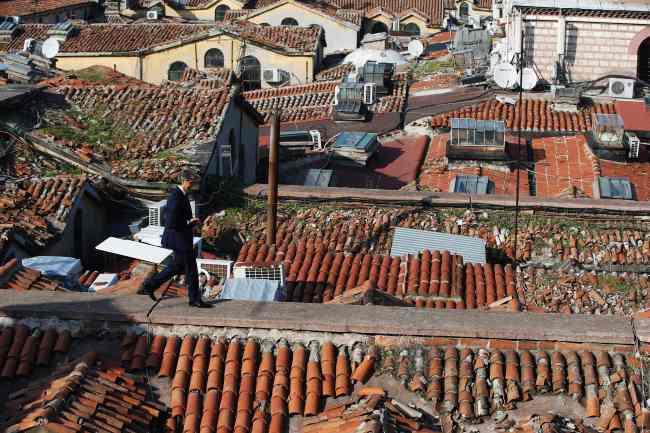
(176, 70)
(289, 22)
(643, 61)
(463, 11)
(412, 29)
(379, 27)
(213, 58)
(220, 12)
(251, 73)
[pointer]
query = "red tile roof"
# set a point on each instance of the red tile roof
(38, 209)
(79, 394)
(29, 7)
(430, 9)
(337, 72)
(538, 115)
(317, 273)
(564, 166)
(108, 38)
(156, 117)
(628, 13)
(23, 350)
(301, 102)
(442, 81)
(248, 385)
(436, 173)
(635, 115)
(26, 279)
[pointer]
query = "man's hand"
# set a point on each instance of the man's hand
(195, 221)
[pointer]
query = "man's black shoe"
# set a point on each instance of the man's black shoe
(144, 291)
(200, 304)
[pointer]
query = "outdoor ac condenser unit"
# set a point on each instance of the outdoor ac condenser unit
(633, 145)
(275, 75)
(156, 213)
(369, 93)
(621, 88)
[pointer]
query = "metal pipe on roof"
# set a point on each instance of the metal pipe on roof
(272, 207)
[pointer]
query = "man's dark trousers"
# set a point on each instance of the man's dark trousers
(178, 238)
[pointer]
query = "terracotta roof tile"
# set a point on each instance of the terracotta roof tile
(38, 209)
(101, 399)
(27, 7)
(628, 13)
(103, 38)
(538, 116)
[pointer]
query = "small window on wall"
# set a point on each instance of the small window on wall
(176, 70)
(463, 11)
(412, 29)
(213, 58)
(220, 12)
(289, 22)
(379, 27)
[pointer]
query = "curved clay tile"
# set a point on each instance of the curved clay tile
(481, 389)
(470, 288)
(62, 343)
(450, 398)
(528, 378)
(44, 350)
(168, 365)
(328, 360)
(574, 376)
(445, 274)
(27, 356)
(210, 412)
(216, 366)
(500, 281)
(314, 381)
(393, 275)
(199, 373)
(425, 273)
(512, 376)
(490, 284)
(465, 397)
(139, 353)
(155, 356)
(193, 412)
(279, 412)
(543, 380)
(364, 370)
(342, 373)
(481, 295)
(558, 365)
(265, 374)
(297, 380)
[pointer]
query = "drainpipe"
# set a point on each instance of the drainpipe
(272, 207)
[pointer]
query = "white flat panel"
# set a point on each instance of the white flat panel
(134, 250)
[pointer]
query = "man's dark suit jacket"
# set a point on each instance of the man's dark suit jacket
(178, 233)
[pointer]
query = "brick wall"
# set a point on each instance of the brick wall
(593, 49)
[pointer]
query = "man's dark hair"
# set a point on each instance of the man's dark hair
(188, 174)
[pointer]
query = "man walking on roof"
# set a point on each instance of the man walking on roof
(179, 238)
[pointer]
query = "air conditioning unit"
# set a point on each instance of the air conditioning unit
(621, 88)
(316, 138)
(156, 213)
(633, 144)
(275, 75)
(274, 272)
(152, 15)
(369, 93)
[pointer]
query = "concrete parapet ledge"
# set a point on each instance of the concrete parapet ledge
(370, 320)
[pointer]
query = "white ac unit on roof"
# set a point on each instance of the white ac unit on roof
(152, 15)
(369, 93)
(156, 213)
(275, 75)
(633, 144)
(621, 88)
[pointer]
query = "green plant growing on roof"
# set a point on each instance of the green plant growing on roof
(618, 284)
(91, 75)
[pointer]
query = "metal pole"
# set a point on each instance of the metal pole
(521, 123)
(274, 150)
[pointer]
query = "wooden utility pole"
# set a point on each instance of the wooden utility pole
(272, 207)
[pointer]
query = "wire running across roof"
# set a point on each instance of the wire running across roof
(413, 241)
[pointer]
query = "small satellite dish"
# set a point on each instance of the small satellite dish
(505, 75)
(416, 48)
(50, 48)
(528, 79)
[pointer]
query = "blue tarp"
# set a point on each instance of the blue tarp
(64, 269)
(248, 289)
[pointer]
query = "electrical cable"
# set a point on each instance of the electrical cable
(518, 156)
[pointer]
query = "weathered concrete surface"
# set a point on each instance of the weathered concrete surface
(445, 199)
(389, 321)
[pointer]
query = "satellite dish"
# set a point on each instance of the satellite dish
(505, 75)
(416, 48)
(528, 79)
(50, 48)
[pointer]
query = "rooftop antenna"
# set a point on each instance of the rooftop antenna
(521, 123)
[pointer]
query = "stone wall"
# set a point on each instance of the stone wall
(592, 49)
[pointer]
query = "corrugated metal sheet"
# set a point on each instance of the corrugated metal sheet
(412, 241)
(615, 187)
